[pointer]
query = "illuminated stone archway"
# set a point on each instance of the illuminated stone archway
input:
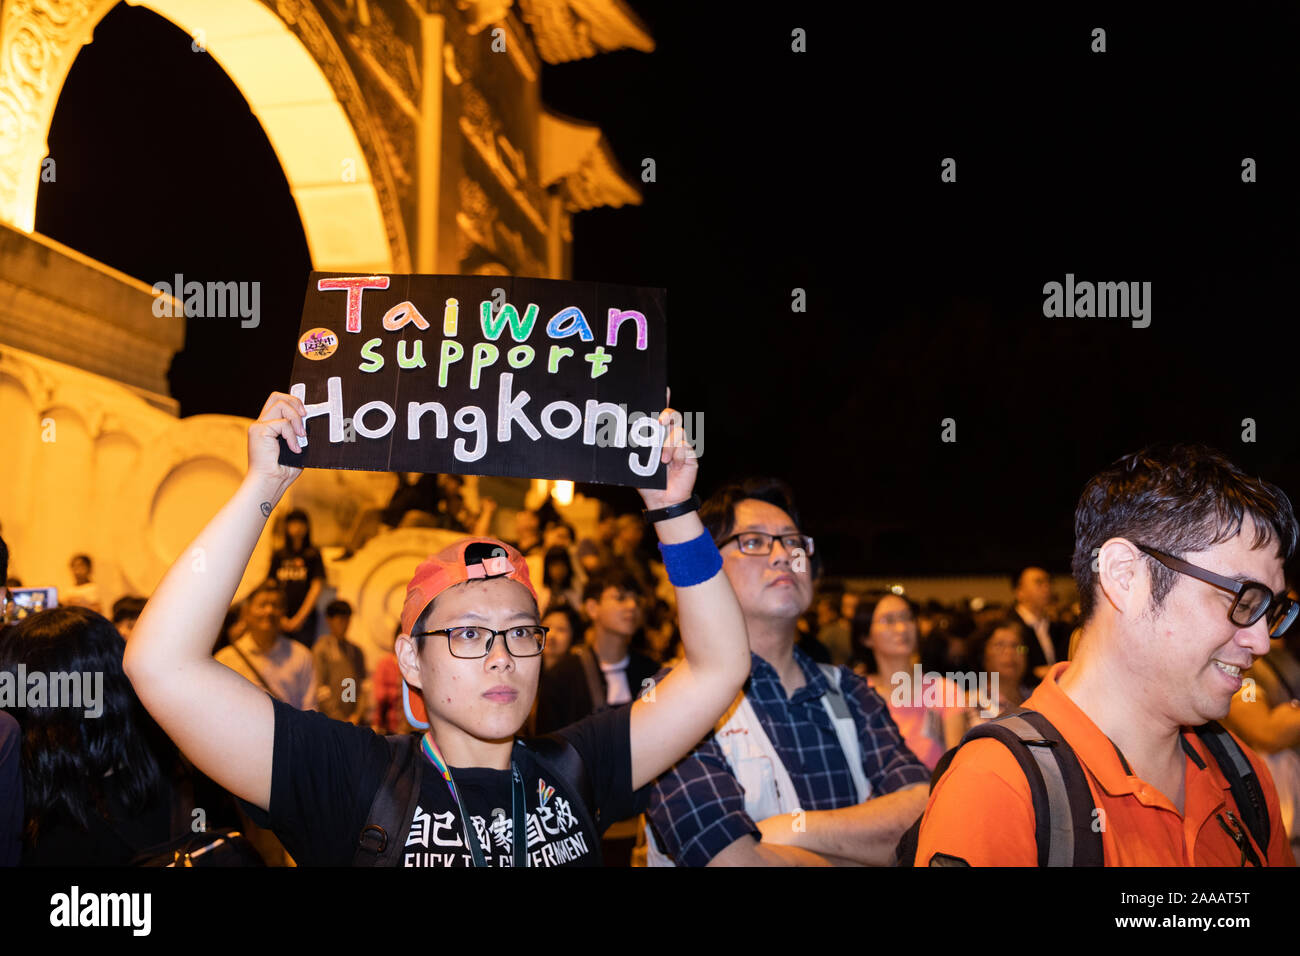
(286, 63)
(458, 168)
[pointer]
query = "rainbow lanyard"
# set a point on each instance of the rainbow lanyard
(518, 847)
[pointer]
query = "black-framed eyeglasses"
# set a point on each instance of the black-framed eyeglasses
(471, 641)
(760, 542)
(1253, 600)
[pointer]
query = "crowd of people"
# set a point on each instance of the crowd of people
(717, 700)
(609, 632)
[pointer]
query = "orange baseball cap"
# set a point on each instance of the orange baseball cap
(466, 560)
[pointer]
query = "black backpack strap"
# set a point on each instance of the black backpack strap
(560, 758)
(1243, 782)
(1063, 807)
(389, 819)
(1074, 840)
(1017, 736)
(563, 760)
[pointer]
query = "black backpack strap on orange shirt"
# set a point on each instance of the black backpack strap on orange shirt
(1064, 813)
(391, 812)
(1063, 808)
(1243, 782)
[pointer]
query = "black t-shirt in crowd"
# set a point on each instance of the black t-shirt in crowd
(325, 774)
(295, 570)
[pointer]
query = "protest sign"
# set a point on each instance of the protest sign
(486, 375)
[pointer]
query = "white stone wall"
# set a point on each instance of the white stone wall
(90, 466)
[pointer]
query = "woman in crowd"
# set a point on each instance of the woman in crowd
(470, 647)
(558, 585)
(102, 785)
(301, 573)
(931, 716)
(1001, 647)
(566, 628)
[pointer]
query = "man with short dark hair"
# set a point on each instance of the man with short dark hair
(84, 592)
(807, 767)
(603, 672)
(343, 692)
(262, 654)
(1049, 643)
(833, 628)
(1178, 559)
(126, 611)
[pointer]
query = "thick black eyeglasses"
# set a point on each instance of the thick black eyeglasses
(760, 542)
(474, 641)
(1253, 601)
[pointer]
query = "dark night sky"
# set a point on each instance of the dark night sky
(821, 171)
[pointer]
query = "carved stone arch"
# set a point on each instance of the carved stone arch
(282, 56)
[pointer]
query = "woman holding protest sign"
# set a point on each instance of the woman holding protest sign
(470, 792)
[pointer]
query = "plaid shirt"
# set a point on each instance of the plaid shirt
(697, 808)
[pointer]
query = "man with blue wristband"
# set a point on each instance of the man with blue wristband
(806, 768)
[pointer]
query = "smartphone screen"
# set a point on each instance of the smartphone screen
(24, 601)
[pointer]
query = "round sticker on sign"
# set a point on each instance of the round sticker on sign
(318, 344)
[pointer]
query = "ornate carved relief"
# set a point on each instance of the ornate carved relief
(481, 222)
(476, 215)
(515, 249)
(575, 29)
(483, 131)
(389, 52)
(481, 13)
(396, 131)
(39, 39)
(308, 25)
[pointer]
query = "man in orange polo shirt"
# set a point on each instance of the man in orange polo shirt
(1178, 557)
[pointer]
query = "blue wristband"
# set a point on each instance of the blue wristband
(691, 562)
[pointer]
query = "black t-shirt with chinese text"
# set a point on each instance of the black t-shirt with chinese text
(325, 774)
